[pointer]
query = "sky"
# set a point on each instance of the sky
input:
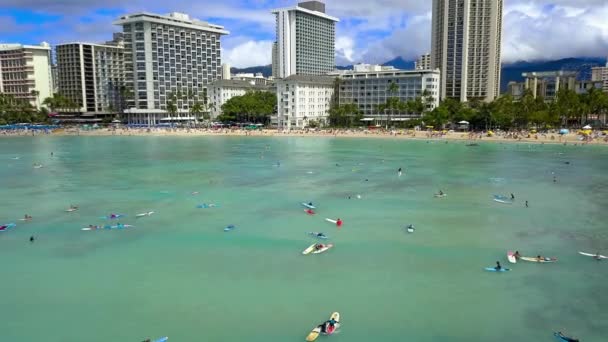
(369, 31)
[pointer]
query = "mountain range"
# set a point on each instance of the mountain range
(510, 71)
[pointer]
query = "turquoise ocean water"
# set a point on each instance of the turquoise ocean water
(178, 274)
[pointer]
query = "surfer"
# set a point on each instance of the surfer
(517, 255)
(441, 193)
(310, 204)
(399, 172)
(565, 338)
(498, 267)
(526, 204)
(329, 326)
(512, 197)
(597, 256)
(319, 246)
(321, 235)
(310, 212)
(32, 239)
(27, 217)
(339, 223)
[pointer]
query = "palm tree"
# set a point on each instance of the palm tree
(393, 89)
(196, 109)
(172, 105)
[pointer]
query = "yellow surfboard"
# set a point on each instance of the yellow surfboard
(317, 330)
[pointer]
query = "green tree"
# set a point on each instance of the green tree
(254, 106)
(345, 115)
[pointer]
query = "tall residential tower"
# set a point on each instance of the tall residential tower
(306, 40)
(465, 44)
(169, 60)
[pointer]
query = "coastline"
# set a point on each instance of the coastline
(541, 138)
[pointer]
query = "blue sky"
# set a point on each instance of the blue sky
(369, 31)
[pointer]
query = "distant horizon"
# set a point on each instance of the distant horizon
(605, 59)
(367, 32)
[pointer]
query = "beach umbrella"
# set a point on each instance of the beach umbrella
(587, 127)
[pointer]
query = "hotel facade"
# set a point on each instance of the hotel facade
(169, 59)
(92, 75)
(25, 70)
(305, 40)
(465, 46)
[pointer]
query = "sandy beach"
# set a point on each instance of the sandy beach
(471, 137)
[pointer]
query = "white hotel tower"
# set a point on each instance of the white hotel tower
(306, 40)
(167, 56)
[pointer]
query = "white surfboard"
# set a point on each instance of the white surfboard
(309, 206)
(149, 213)
(593, 255)
(309, 249)
(511, 257)
(325, 248)
(331, 220)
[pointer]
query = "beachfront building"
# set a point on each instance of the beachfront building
(367, 86)
(545, 84)
(423, 62)
(25, 72)
(465, 46)
(169, 61)
(91, 76)
(302, 99)
(221, 91)
(305, 40)
(600, 74)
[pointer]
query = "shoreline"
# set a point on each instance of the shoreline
(541, 138)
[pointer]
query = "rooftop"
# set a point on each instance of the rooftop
(175, 18)
(236, 84)
(8, 47)
(315, 8)
(311, 79)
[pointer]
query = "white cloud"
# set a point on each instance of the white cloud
(345, 50)
(248, 53)
(554, 33)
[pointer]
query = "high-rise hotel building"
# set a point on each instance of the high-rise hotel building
(25, 72)
(306, 40)
(169, 58)
(92, 76)
(465, 45)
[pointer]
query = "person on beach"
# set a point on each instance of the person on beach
(498, 267)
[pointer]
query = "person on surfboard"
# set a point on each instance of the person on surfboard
(498, 267)
(339, 223)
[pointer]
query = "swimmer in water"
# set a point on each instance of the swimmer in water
(399, 172)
